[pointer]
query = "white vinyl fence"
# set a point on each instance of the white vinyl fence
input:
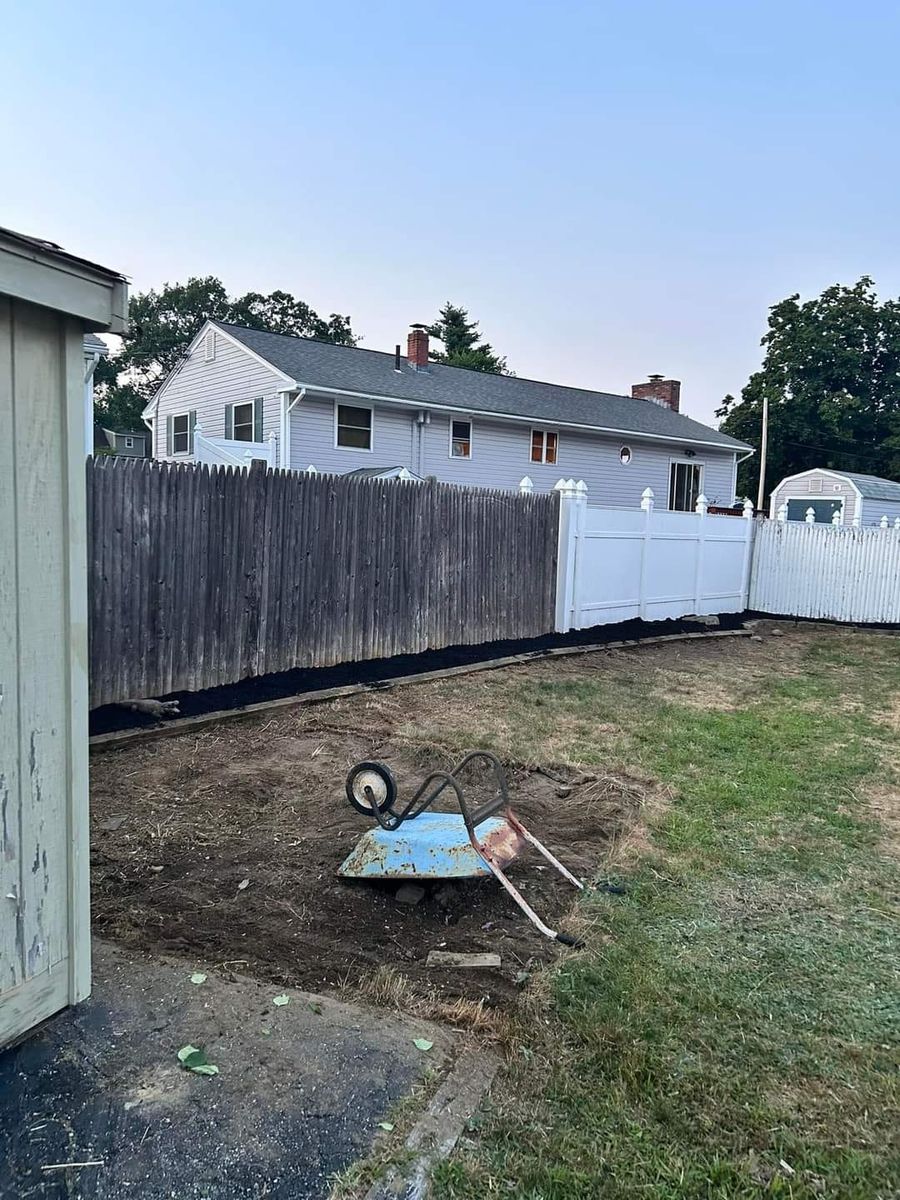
(616, 564)
(832, 572)
(223, 452)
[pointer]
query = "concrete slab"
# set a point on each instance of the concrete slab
(300, 1092)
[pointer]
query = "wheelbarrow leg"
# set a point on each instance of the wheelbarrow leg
(542, 849)
(565, 938)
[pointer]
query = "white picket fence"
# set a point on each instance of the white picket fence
(832, 572)
(616, 564)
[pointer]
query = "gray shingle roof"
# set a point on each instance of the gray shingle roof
(321, 364)
(872, 487)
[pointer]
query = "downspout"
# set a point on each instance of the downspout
(287, 407)
(90, 366)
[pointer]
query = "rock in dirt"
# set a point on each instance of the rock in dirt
(447, 958)
(776, 633)
(713, 622)
(754, 637)
(410, 893)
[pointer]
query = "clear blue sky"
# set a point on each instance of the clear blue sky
(610, 188)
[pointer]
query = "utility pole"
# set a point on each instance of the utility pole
(761, 493)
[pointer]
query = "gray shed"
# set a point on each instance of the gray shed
(48, 299)
(860, 499)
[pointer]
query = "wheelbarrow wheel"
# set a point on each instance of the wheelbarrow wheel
(371, 785)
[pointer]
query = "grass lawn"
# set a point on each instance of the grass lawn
(732, 1028)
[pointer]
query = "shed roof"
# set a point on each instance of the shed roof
(372, 373)
(873, 487)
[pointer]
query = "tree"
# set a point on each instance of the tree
(462, 342)
(831, 373)
(163, 324)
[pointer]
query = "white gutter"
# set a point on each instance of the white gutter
(480, 412)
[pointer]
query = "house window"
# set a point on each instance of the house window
(625, 456)
(210, 346)
(543, 446)
(129, 443)
(684, 486)
(460, 439)
(242, 422)
(181, 433)
(354, 427)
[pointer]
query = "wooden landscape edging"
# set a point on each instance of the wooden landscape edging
(122, 737)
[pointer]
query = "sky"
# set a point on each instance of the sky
(611, 189)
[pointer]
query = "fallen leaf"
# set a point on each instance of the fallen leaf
(266, 1032)
(192, 1058)
(316, 1008)
(198, 977)
(245, 883)
(281, 1000)
(423, 1044)
(386, 1125)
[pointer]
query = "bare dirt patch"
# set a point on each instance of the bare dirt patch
(180, 824)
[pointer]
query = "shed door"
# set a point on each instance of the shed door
(43, 735)
(824, 509)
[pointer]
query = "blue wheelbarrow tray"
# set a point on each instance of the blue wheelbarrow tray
(433, 846)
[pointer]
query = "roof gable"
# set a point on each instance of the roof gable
(372, 373)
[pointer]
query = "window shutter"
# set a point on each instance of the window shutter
(257, 420)
(229, 421)
(192, 421)
(169, 435)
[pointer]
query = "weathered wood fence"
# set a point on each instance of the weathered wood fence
(201, 576)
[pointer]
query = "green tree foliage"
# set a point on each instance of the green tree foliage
(163, 323)
(462, 343)
(831, 373)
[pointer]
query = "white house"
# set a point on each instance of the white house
(295, 402)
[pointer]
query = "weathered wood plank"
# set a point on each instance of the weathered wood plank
(202, 577)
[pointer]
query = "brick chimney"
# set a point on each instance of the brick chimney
(665, 392)
(417, 347)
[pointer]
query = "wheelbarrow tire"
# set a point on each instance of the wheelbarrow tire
(381, 782)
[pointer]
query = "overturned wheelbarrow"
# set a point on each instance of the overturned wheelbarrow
(410, 842)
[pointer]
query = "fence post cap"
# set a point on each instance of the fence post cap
(810, 516)
(702, 504)
(566, 486)
(781, 515)
(647, 499)
(897, 522)
(581, 488)
(526, 484)
(748, 507)
(837, 519)
(311, 470)
(883, 522)
(198, 432)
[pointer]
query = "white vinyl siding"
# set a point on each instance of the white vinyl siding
(209, 388)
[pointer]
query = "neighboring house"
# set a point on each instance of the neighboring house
(298, 403)
(94, 349)
(131, 443)
(860, 499)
